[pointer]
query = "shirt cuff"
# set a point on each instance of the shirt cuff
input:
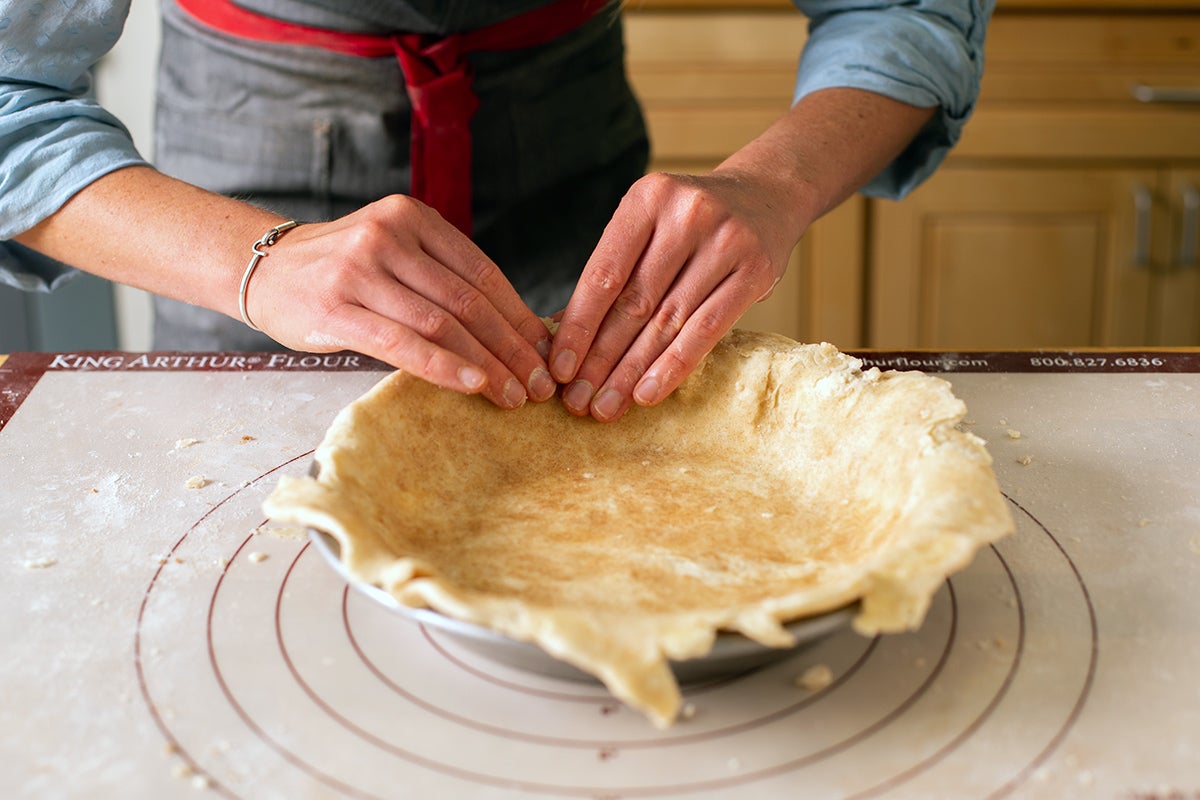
(31, 271)
(46, 171)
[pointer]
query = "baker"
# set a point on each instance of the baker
(459, 169)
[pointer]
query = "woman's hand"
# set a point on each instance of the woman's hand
(684, 257)
(392, 280)
(680, 262)
(397, 282)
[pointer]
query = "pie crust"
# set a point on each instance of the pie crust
(778, 482)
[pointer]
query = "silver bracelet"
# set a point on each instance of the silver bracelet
(259, 249)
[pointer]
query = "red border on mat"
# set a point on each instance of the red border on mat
(20, 372)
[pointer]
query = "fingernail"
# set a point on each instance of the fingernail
(472, 378)
(578, 396)
(541, 385)
(543, 348)
(607, 404)
(564, 365)
(646, 392)
(514, 393)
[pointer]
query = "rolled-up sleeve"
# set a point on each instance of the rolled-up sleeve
(55, 138)
(921, 52)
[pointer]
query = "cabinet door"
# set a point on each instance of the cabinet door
(1175, 313)
(993, 257)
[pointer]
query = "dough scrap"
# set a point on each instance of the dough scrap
(779, 481)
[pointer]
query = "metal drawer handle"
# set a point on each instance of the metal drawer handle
(1145, 93)
(1189, 228)
(1143, 206)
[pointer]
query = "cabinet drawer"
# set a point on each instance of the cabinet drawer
(1089, 57)
(1078, 86)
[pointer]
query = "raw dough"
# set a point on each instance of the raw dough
(815, 678)
(779, 481)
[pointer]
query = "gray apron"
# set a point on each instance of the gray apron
(314, 135)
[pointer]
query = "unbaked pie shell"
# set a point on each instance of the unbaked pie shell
(779, 481)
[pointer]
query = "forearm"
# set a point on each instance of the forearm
(139, 227)
(926, 53)
(392, 280)
(829, 145)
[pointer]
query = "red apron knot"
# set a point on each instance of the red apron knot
(443, 101)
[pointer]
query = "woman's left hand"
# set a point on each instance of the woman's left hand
(681, 260)
(685, 256)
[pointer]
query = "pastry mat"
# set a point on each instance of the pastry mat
(163, 639)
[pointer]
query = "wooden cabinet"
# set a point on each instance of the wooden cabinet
(983, 257)
(1066, 216)
(1007, 258)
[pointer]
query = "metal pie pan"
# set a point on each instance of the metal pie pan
(731, 653)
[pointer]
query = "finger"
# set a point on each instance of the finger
(380, 337)
(478, 315)
(633, 310)
(700, 279)
(604, 276)
(473, 266)
(699, 335)
(436, 325)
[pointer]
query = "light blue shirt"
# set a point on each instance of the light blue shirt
(56, 139)
(921, 52)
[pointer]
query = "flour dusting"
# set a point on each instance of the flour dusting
(318, 339)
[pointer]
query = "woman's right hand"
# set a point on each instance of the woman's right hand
(397, 282)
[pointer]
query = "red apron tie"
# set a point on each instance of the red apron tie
(437, 76)
(438, 80)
